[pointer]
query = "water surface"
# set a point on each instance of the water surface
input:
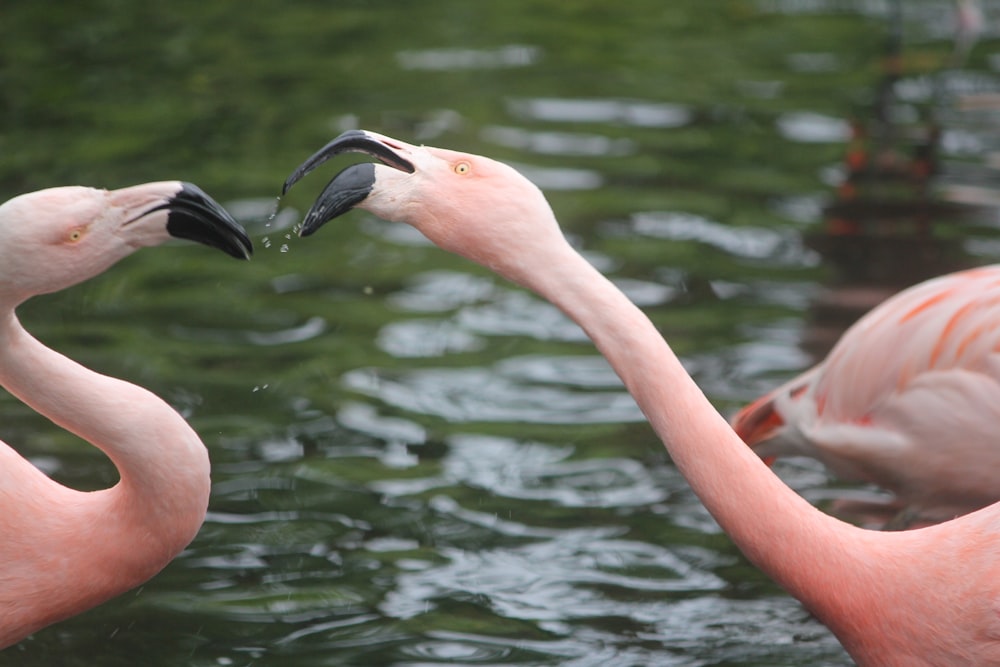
(416, 463)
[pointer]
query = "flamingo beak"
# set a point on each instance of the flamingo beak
(352, 185)
(193, 215)
(757, 423)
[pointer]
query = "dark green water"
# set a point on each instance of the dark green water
(415, 463)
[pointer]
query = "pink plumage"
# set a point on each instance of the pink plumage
(908, 399)
(918, 598)
(63, 551)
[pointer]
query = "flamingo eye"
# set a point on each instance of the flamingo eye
(462, 168)
(75, 234)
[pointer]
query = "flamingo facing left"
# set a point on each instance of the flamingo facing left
(919, 598)
(63, 551)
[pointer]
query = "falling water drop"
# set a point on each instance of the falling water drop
(274, 211)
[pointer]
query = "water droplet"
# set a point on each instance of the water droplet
(274, 211)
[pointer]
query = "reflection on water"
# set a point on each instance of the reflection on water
(414, 462)
(490, 394)
(512, 55)
(615, 112)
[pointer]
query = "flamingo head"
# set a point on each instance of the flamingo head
(757, 424)
(771, 425)
(467, 204)
(54, 238)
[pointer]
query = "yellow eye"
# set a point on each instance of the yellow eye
(462, 168)
(75, 235)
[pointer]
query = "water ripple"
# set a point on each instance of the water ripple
(511, 55)
(532, 471)
(554, 580)
(439, 291)
(464, 650)
(448, 507)
(561, 178)
(311, 328)
(476, 394)
(585, 371)
(365, 419)
(747, 242)
(516, 313)
(810, 127)
(308, 330)
(583, 110)
(487, 309)
(409, 339)
(558, 143)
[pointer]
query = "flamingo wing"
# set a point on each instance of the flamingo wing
(908, 399)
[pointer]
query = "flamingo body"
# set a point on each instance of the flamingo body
(63, 551)
(908, 399)
(919, 598)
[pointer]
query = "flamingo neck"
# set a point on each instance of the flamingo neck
(868, 587)
(56, 538)
(775, 528)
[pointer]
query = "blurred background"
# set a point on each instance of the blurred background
(414, 462)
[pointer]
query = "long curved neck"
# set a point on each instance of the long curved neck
(777, 529)
(115, 538)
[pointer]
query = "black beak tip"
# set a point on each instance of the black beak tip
(309, 227)
(289, 182)
(347, 189)
(195, 216)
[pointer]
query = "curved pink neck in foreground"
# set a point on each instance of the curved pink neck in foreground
(63, 551)
(749, 502)
(891, 598)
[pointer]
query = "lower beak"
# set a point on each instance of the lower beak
(352, 185)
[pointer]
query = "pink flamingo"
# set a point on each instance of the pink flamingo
(908, 399)
(926, 597)
(64, 551)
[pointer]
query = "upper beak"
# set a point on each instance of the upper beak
(353, 184)
(193, 215)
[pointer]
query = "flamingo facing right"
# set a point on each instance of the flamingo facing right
(908, 399)
(63, 551)
(921, 598)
